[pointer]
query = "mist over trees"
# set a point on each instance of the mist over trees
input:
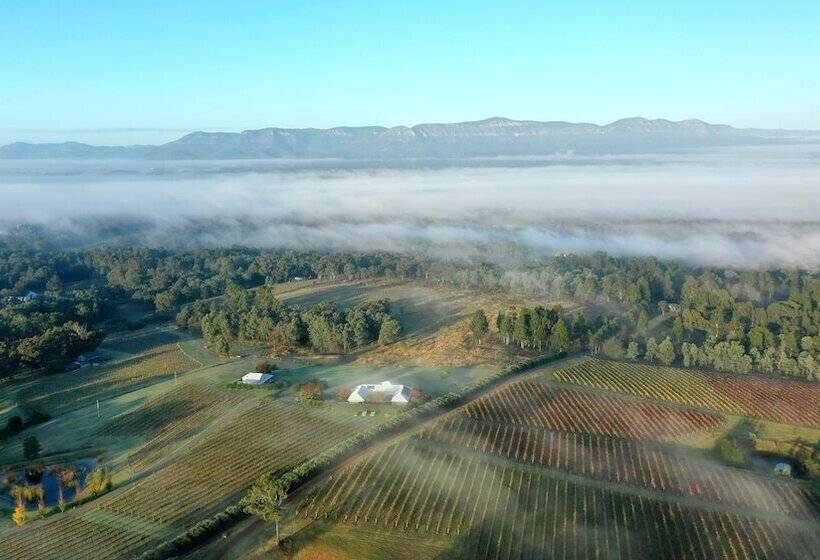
(751, 207)
(661, 311)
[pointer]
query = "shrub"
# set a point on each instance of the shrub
(37, 417)
(31, 448)
(14, 425)
(265, 367)
(313, 390)
(613, 348)
(729, 452)
(19, 515)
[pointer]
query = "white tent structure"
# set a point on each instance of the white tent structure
(254, 378)
(380, 392)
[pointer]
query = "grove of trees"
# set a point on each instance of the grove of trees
(256, 315)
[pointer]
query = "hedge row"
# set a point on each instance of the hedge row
(198, 534)
(207, 528)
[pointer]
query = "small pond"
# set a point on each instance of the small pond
(48, 478)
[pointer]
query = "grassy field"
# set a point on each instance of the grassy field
(429, 379)
(433, 321)
(140, 342)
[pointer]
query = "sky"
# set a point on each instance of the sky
(147, 72)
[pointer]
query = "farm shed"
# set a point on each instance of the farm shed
(254, 378)
(380, 392)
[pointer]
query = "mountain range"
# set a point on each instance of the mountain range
(494, 137)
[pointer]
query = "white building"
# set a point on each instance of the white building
(254, 378)
(380, 392)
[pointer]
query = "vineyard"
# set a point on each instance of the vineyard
(173, 417)
(500, 509)
(529, 471)
(140, 343)
(533, 404)
(59, 393)
(778, 400)
(628, 461)
(122, 524)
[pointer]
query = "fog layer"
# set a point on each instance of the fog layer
(751, 207)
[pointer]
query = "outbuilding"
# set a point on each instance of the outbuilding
(254, 378)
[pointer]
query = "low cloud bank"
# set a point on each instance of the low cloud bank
(753, 207)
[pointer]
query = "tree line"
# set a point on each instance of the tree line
(753, 320)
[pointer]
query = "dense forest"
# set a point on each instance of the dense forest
(666, 312)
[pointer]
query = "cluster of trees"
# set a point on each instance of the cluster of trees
(733, 356)
(256, 315)
(22, 271)
(731, 322)
(333, 330)
(50, 331)
(169, 279)
(24, 494)
(77, 289)
(535, 327)
(773, 327)
(629, 281)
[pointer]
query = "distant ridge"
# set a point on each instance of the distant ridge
(493, 137)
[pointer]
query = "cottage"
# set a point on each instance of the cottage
(254, 378)
(380, 392)
(783, 469)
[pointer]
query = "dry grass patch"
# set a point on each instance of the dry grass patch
(450, 346)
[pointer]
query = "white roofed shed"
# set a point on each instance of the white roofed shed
(254, 378)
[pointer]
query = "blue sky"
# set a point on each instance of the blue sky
(116, 71)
